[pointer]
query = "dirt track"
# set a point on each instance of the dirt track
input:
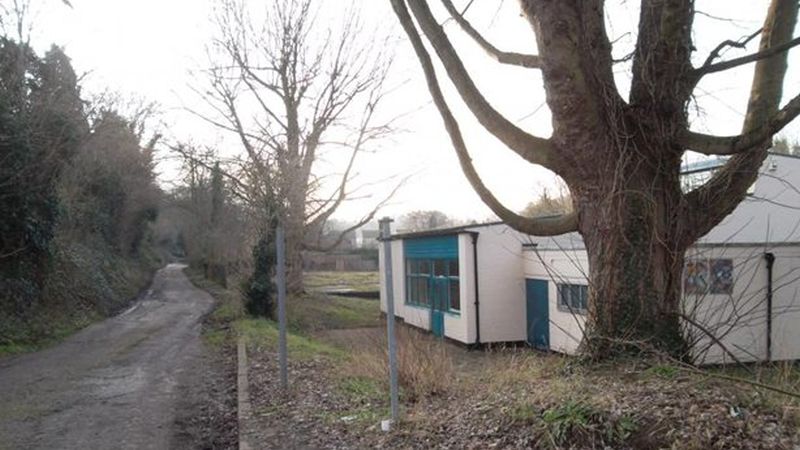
(116, 384)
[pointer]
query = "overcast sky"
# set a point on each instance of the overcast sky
(150, 48)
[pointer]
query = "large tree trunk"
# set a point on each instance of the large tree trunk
(622, 168)
(294, 227)
(635, 257)
(294, 260)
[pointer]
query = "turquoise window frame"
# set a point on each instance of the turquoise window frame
(414, 275)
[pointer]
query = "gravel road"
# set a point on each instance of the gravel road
(116, 384)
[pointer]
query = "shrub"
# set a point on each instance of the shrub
(259, 287)
(425, 368)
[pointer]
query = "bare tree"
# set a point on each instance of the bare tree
(425, 220)
(549, 203)
(290, 90)
(782, 144)
(16, 19)
(620, 156)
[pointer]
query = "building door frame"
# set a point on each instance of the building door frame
(439, 286)
(537, 305)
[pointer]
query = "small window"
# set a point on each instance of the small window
(440, 268)
(452, 269)
(424, 267)
(455, 295)
(573, 298)
(422, 291)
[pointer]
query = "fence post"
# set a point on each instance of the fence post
(280, 245)
(385, 226)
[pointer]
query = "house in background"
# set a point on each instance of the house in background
(343, 251)
(366, 238)
(487, 283)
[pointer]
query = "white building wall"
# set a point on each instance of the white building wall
(555, 266)
(786, 304)
(501, 284)
(770, 213)
(739, 320)
(417, 316)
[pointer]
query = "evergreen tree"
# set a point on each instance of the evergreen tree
(41, 127)
(260, 288)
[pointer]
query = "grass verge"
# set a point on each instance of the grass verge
(221, 323)
(307, 313)
(316, 311)
(261, 333)
(356, 281)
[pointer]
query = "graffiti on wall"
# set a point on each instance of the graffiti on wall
(708, 276)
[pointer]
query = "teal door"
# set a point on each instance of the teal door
(438, 305)
(537, 313)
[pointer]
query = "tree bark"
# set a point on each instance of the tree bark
(294, 260)
(295, 231)
(635, 261)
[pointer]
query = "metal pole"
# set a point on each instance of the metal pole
(280, 244)
(386, 231)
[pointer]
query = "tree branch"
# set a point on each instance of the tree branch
(741, 43)
(730, 64)
(533, 149)
(729, 145)
(364, 220)
(539, 226)
(189, 156)
(511, 58)
(664, 40)
(704, 207)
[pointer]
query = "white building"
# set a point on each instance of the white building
(366, 238)
(487, 283)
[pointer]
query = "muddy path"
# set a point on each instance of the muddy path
(120, 383)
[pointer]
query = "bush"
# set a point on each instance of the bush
(425, 369)
(259, 287)
(108, 191)
(41, 123)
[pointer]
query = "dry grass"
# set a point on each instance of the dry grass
(783, 375)
(521, 367)
(356, 281)
(425, 368)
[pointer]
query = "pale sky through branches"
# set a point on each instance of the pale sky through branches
(150, 48)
